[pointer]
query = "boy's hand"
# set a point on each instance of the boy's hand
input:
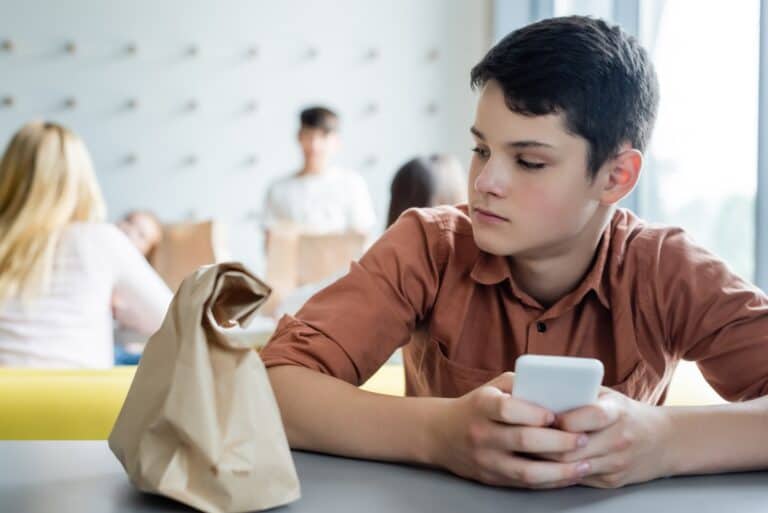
(627, 440)
(480, 435)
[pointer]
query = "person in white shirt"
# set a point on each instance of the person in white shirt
(320, 198)
(64, 272)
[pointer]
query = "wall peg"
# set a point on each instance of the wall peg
(372, 54)
(372, 108)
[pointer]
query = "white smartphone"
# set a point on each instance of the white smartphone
(557, 383)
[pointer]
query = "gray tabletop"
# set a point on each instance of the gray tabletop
(84, 477)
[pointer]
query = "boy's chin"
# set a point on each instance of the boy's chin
(494, 246)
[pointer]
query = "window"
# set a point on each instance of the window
(701, 166)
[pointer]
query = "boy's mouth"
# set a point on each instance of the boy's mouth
(488, 215)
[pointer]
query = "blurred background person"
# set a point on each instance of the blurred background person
(317, 219)
(320, 198)
(144, 230)
(427, 182)
(64, 272)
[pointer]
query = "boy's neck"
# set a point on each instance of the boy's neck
(549, 278)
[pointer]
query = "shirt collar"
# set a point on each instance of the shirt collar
(492, 269)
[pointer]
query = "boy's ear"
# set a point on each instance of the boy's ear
(622, 174)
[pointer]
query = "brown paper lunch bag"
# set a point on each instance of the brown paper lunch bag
(200, 423)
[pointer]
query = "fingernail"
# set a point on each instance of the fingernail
(550, 418)
(582, 469)
(582, 441)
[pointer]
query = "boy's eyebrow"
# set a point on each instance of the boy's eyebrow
(513, 144)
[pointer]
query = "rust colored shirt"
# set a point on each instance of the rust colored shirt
(650, 298)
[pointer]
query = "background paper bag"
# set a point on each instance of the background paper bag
(296, 258)
(186, 246)
(200, 423)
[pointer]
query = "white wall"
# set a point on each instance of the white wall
(221, 135)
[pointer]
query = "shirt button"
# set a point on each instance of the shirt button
(541, 327)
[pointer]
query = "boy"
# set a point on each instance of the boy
(540, 261)
(320, 198)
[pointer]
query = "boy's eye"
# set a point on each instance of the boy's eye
(482, 153)
(530, 165)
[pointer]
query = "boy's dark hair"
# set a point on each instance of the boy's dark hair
(599, 77)
(320, 117)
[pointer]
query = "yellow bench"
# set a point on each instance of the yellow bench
(61, 404)
(83, 404)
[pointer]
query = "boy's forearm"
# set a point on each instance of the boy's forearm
(324, 414)
(721, 438)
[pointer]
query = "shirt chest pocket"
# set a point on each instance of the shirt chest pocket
(437, 375)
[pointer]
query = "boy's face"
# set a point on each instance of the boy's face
(317, 145)
(529, 189)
